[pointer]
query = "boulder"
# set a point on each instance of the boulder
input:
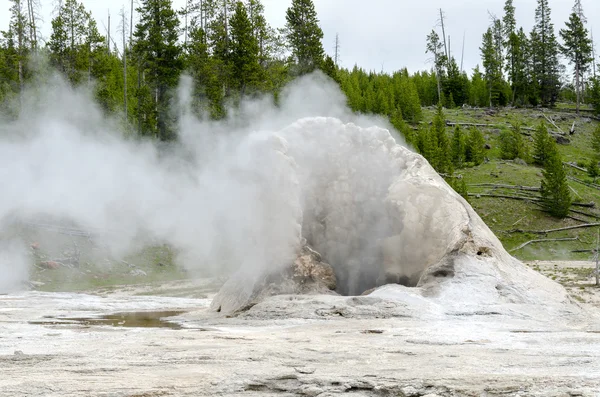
(561, 139)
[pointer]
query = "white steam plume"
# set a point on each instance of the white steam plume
(228, 194)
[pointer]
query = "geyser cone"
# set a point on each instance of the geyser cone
(378, 212)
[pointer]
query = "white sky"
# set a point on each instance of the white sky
(379, 34)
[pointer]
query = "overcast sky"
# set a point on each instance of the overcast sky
(381, 34)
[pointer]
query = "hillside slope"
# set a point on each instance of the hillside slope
(512, 218)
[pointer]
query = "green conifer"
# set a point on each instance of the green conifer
(556, 197)
(458, 147)
(475, 146)
(542, 145)
(596, 141)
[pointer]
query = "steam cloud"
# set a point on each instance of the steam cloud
(228, 194)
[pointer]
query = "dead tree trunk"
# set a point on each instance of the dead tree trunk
(131, 23)
(560, 229)
(124, 65)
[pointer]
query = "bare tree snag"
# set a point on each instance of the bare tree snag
(574, 166)
(553, 123)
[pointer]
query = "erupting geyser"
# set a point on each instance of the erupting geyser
(254, 192)
(380, 214)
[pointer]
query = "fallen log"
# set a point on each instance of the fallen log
(543, 241)
(561, 229)
(506, 196)
(575, 191)
(453, 124)
(576, 218)
(527, 198)
(570, 112)
(553, 123)
(501, 186)
(483, 125)
(585, 213)
(590, 185)
(576, 212)
(591, 204)
(575, 166)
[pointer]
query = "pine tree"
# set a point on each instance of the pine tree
(272, 55)
(426, 87)
(478, 95)
(543, 144)
(305, 35)
(157, 49)
(264, 34)
(76, 47)
(455, 85)
(514, 42)
(329, 68)
(219, 39)
(512, 145)
(442, 157)
(208, 91)
(596, 141)
(401, 126)
(519, 73)
(578, 49)
(426, 144)
(475, 146)
(578, 10)
(509, 24)
(556, 197)
(247, 72)
(67, 39)
(458, 147)
(510, 39)
(492, 62)
(595, 95)
(351, 87)
(592, 169)
(532, 56)
(21, 46)
(546, 67)
(9, 78)
(406, 96)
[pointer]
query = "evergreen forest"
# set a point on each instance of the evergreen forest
(518, 136)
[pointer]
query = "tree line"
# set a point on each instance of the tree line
(521, 69)
(231, 52)
(227, 47)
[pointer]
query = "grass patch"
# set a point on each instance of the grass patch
(149, 265)
(503, 215)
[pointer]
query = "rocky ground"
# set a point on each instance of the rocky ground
(576, 276)
(393, 342)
